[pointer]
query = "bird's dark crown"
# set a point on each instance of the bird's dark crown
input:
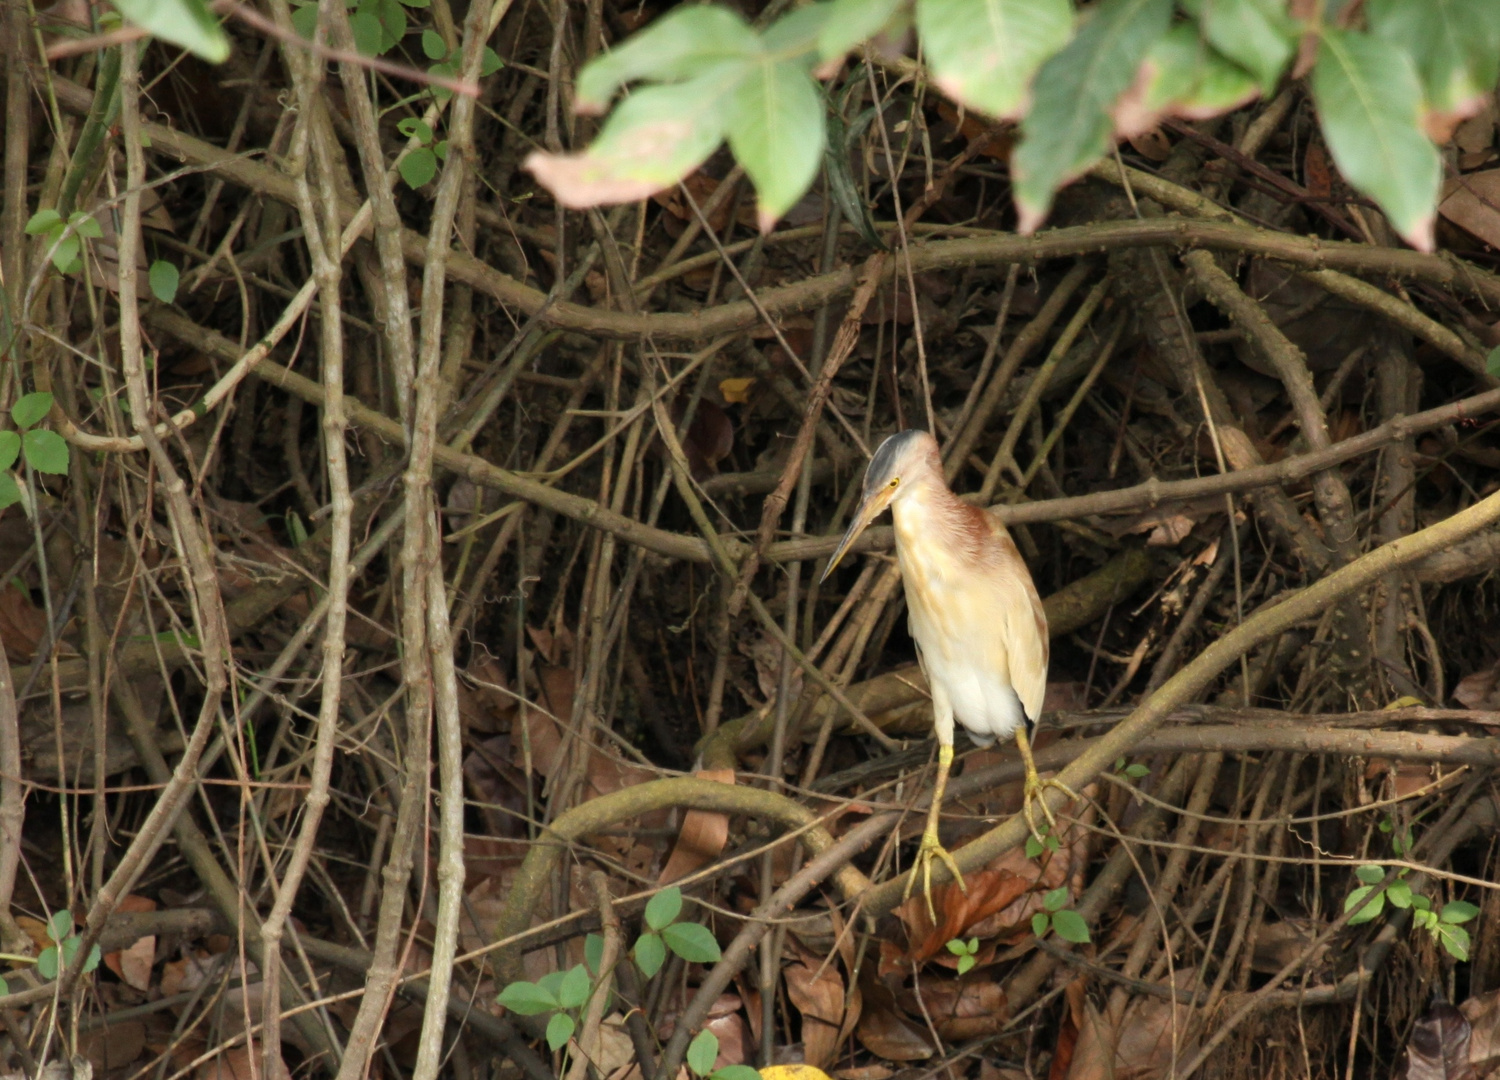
(890, 455)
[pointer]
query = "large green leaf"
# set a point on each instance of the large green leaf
(30, 408)
(983, 53)
(1069, 126)
(1455, 43)
(45, 451)
(1257, 34)
(187, 23)
(1369, 100)
(686, 42)
(852, 21)
(663, 908)
(702, 1052)
(776, 131)
(654, 138)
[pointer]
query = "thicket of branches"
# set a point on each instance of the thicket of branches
(419, 541)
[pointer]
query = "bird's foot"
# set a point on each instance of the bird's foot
(921, 867)
(1034, 796)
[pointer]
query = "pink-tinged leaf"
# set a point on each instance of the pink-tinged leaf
(652, 140)
(1439, 1046)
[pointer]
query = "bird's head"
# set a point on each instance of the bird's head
(905, 458)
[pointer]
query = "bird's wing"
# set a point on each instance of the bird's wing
(1026, 622)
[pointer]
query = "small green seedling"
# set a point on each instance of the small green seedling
(966, 952)
(1369, 900)
(447, 62)
(64, 238)
(1133, 771)
(703, 1051)
(163, 278)
(1067, 923)
(563, 993)
(45, 450)
(420, 164)
(1048, 842)
(64, 950)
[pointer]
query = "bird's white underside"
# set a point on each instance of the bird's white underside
(976, 634)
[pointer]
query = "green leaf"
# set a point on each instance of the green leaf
(420, 4)
(1455, 43)
(1370, 103)
(650, 954)
(966, 963)
(957, 947)
(60, 925)
(1071, 927)
(1455, 939)
(1188, 78)
(559, 1030)
(305, 20)
(85, 225)
(30, 408)
(5, 989)
(1040, 924)
(593, 952)
(682, 44)
(1070, 122)
(850, 22)
(185, 23)
(418, 167)
(433, 45)
(392, 18)
(440, 148)
(1137, 771)
(663, 908)
(1492, 362)
(45, 451)
(654, 138)
(1420, 902)
(1460, 911)
(1056, 899)
(68, 950)
(446, 70)
(692, 942)
(1368, 911)
(10, 491)
(1257, 34)
(795, 35)
(575, 987)
(10, 448)
(65, 255)
(489, 62)
(1033, 847)
(43, 221)
(414, 127)
(735, 1072)
(702, 1052)
(163, 278)
(984, 53)
(368, 33)
(1399, 895)
(528, 999)
(776, 131)
(1370, 873)
(46, 963)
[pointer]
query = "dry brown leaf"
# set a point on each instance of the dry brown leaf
(113, 1047)
(1480, 690)
(887, 1034)
(961, 1009)
(1472, 202)
(702, 836)
(133, 965)
(1438, 1048)
(241, 1063)
(1483, 1014)
(817, 990)
(1139, 1047)
(22, 623)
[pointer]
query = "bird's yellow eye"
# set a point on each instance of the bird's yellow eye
(895, 480)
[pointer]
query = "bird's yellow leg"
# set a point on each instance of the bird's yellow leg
(930, 848)
(1036, 787)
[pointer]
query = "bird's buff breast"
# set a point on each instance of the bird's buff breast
(960, 617)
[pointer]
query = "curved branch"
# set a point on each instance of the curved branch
(688, 793)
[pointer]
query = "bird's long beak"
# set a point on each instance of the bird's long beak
(870, 508)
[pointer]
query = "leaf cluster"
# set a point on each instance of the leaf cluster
(1403, 71)
(562, 993)
(1066, 922)
(1368, 902)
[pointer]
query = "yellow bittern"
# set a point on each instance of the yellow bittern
(973, 611)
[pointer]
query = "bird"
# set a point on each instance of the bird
(974, 613)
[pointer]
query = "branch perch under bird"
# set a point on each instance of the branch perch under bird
(975, 615)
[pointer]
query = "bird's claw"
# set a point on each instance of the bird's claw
(929, 850)
(1034, 795)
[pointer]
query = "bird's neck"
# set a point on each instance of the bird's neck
(928, 509)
